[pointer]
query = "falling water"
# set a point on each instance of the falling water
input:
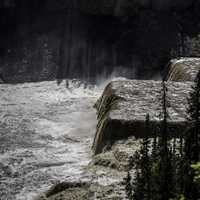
(183, 69)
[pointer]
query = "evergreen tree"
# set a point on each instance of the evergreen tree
(179, 168)
(154, 152)
(166, 188)
(196, 168)
(138, 184)
(192, 140)
(128, 187)
(142, 188)
(175, 157)
(154, 167)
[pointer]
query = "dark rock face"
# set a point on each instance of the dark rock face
(184, 69)
(124, 105)
(44, 40)
(124, 7)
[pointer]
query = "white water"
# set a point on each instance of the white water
(46, 131)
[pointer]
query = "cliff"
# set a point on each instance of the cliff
(44, 40)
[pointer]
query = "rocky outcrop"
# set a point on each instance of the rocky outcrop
(89, 192)
(119, 156)
(67, 191)
(124, 104)
(184, 69)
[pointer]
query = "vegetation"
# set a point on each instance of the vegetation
(196, 168)
(165, 168)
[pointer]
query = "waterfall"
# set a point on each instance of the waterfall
(183, 69)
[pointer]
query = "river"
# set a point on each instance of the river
(46, 132)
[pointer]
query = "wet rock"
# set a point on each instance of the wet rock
(66, 191)
(84, 192)
(184, 69)
(73, 191)
(106, 160)
(124, 104)
(119, 156)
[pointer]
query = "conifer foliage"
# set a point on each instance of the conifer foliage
(192, 141)
(164, 165)
(192, 137)
(141, 186)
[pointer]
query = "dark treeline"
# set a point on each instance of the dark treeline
(169, 169)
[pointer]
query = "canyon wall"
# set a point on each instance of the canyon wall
(45, 40)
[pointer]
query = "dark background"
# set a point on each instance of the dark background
(49, 39)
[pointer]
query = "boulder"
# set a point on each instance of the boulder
(122, 109)
(184, 69)
(87, 191)
(119, 156)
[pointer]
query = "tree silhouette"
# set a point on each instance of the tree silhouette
(192, 137)
(142, 184)
(166, 189)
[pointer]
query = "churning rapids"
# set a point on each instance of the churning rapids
(46, 131)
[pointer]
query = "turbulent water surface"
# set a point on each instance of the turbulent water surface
(46, 132)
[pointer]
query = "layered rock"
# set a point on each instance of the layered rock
(184, 69)
(123, 107)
